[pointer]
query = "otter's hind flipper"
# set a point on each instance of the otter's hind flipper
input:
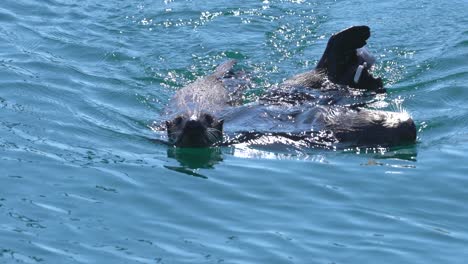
(340, 60)
(341, 48)
(351, 38)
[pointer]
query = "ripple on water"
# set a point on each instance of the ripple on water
(83, 182)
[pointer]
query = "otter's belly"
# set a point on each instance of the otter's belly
(273, 119)
(357, 126)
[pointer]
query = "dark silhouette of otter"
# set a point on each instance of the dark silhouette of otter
(317, 107)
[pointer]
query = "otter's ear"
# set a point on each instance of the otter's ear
(219, 125)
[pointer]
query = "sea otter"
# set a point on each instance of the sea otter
(320, 106)
(195, 122)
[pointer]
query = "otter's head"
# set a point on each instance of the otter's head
(195, 131)
(367, 127)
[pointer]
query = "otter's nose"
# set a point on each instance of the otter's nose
(193, 124)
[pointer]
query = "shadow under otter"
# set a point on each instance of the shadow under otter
(321, 107)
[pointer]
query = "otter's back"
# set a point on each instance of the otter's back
(207, 94)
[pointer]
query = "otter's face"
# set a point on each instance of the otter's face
(194, 132)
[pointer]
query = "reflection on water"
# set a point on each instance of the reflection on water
(196, 158)
(407, 153)
(247, 151)
(193, 159)
(188, 171)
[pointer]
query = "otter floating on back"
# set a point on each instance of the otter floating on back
(308, 107)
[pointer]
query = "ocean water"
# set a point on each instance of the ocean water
(83, 180)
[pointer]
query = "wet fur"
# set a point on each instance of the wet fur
(195, 123)
(312, 107)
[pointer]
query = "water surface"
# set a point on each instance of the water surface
(83, 181)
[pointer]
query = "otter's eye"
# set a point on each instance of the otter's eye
(209, 119)
(178, 120)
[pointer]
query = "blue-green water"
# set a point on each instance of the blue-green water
(82, 182)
